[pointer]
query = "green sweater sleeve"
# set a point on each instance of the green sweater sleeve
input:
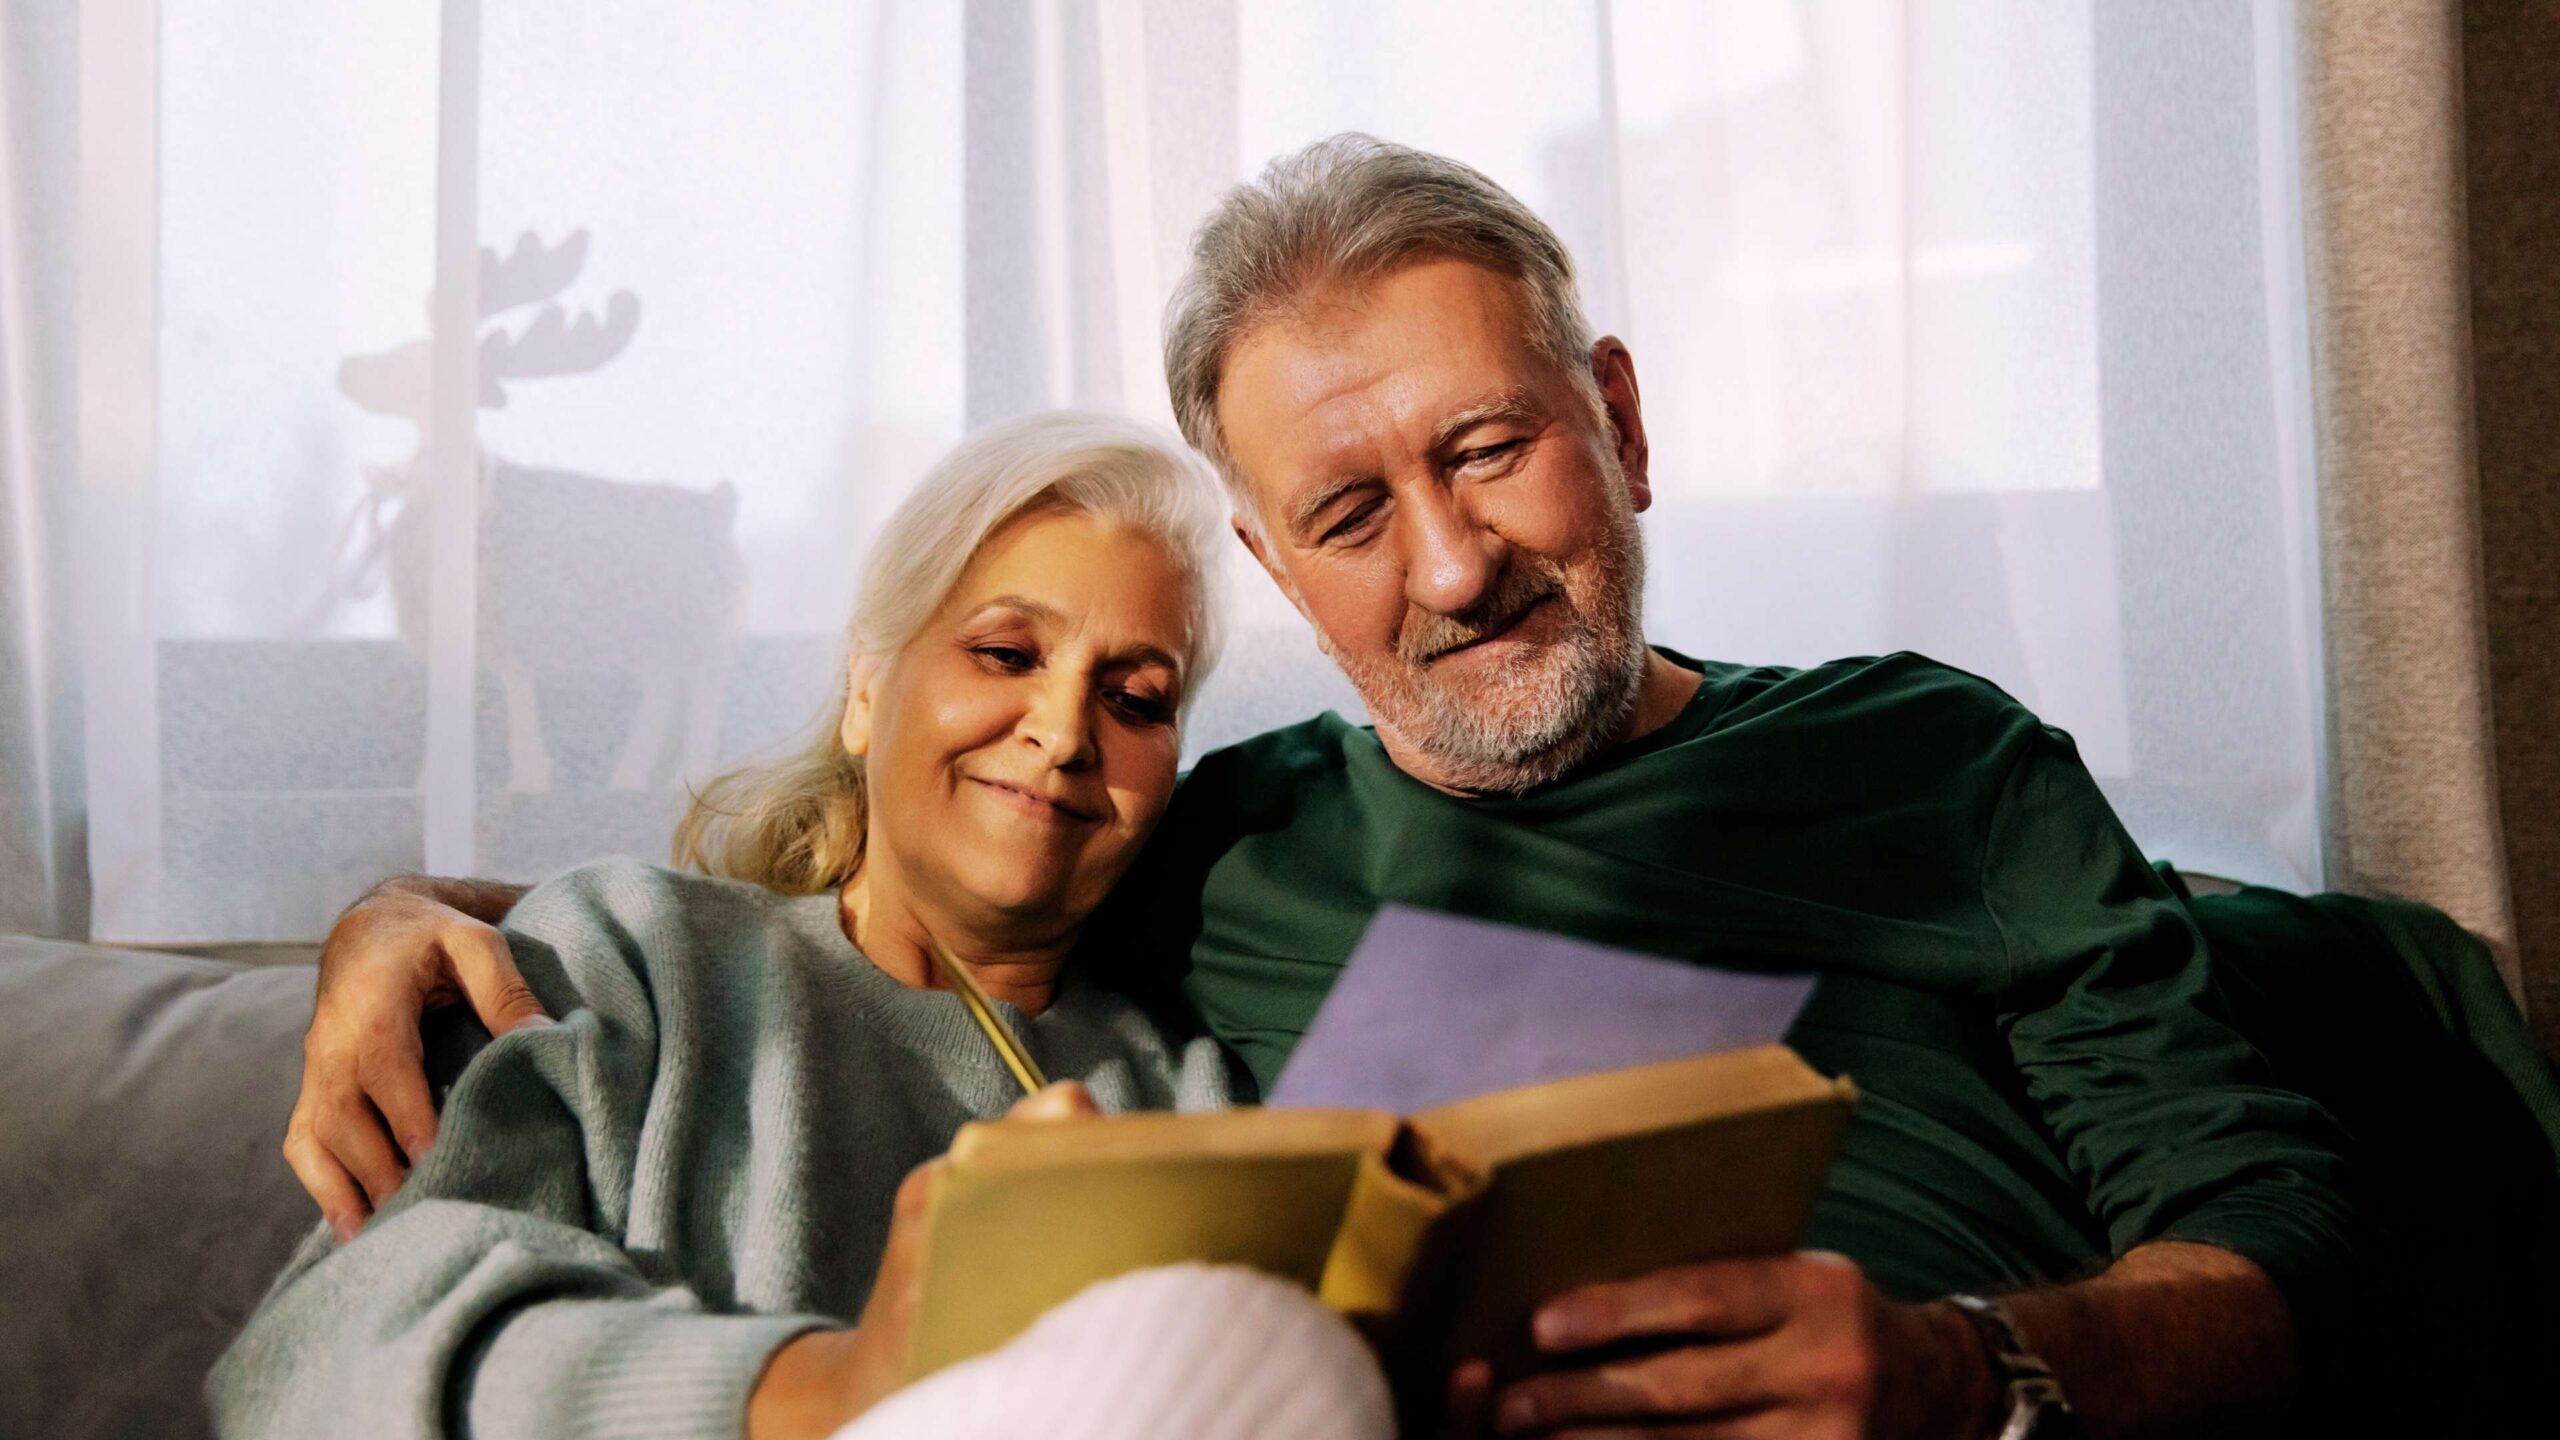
(490, 1297)
(2161, 1108)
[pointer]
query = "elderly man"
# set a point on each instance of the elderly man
(1384, 354)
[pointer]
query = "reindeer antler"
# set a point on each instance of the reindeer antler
(531, 272)
(555, 344)
(394, 381)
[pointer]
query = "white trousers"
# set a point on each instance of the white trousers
(1216, 1352)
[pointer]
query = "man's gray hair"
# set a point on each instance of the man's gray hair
(1350, 209)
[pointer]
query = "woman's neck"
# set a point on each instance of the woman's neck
(887, 923)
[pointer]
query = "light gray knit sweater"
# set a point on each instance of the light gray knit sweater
(625, 1214)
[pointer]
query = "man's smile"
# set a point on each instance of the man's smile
(1504, 630)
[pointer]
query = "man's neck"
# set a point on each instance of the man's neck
(1661, 695)
(883, 919)
(1662, 691)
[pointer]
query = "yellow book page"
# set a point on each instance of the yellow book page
(1611, 1176)
(1027, 1215)
(1491, 1130)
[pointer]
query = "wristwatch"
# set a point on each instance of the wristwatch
(2037, 1410)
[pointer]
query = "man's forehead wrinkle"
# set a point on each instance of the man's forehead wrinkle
(1363, 383)
(1312, 371)
(1393, 414)
(1339, 402)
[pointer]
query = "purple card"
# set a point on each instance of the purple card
(1434, 1008)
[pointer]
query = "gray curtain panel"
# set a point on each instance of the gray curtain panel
(2439, 661)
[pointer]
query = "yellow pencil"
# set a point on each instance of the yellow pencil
(1017, 1057)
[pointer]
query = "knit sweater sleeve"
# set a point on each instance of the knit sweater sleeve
(492, 1296)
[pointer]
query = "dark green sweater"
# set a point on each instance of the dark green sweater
(2048, 1076)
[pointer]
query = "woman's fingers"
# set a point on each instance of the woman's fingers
(901, 1273)
(876, 1362)
(1057, 1100)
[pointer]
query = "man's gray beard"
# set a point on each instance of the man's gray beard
(1578, 691)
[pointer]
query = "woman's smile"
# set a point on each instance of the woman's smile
(1034, 803)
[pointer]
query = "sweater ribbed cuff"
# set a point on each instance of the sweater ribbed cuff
(619, 1370)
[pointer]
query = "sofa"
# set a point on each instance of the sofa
(144, 1200)
(144, 1204)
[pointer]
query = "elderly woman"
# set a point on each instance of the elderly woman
(654, 1217)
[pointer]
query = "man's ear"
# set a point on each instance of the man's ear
(861, 675)
(1254, 541)
(1614, 370)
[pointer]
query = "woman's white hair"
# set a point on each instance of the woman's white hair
(1350, 209)
(797, 823)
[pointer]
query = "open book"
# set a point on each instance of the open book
(1437, 1231)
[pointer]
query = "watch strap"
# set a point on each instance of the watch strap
(2037, 1409)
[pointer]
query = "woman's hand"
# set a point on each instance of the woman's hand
(364, 1116)
(1057, 1100)
(824, 1380)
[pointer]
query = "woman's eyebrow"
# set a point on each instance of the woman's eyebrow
(1141, 653)
(1024, 606)
(1146, 654)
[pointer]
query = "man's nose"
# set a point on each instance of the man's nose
(1059, 720)
(1451, 556)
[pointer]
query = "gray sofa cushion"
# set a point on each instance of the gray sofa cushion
(144, 1205)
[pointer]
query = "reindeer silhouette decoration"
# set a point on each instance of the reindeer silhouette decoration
(578, 574)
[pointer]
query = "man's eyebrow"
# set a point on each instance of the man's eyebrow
(1513, 404)
(1304, 514)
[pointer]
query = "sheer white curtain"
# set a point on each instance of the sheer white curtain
(483, 409)
(43, 871)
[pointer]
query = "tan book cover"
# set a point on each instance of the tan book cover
(1437, 1233)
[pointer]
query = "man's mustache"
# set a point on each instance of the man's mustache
(1427, 636)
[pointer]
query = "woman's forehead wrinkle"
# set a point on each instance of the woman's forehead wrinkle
(1070, 578)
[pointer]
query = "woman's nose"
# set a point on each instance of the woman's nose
(1451, 556)
(1059, 722)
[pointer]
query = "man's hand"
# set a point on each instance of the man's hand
(2173, 1339)
(1797, 1345)
(364, 1115)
